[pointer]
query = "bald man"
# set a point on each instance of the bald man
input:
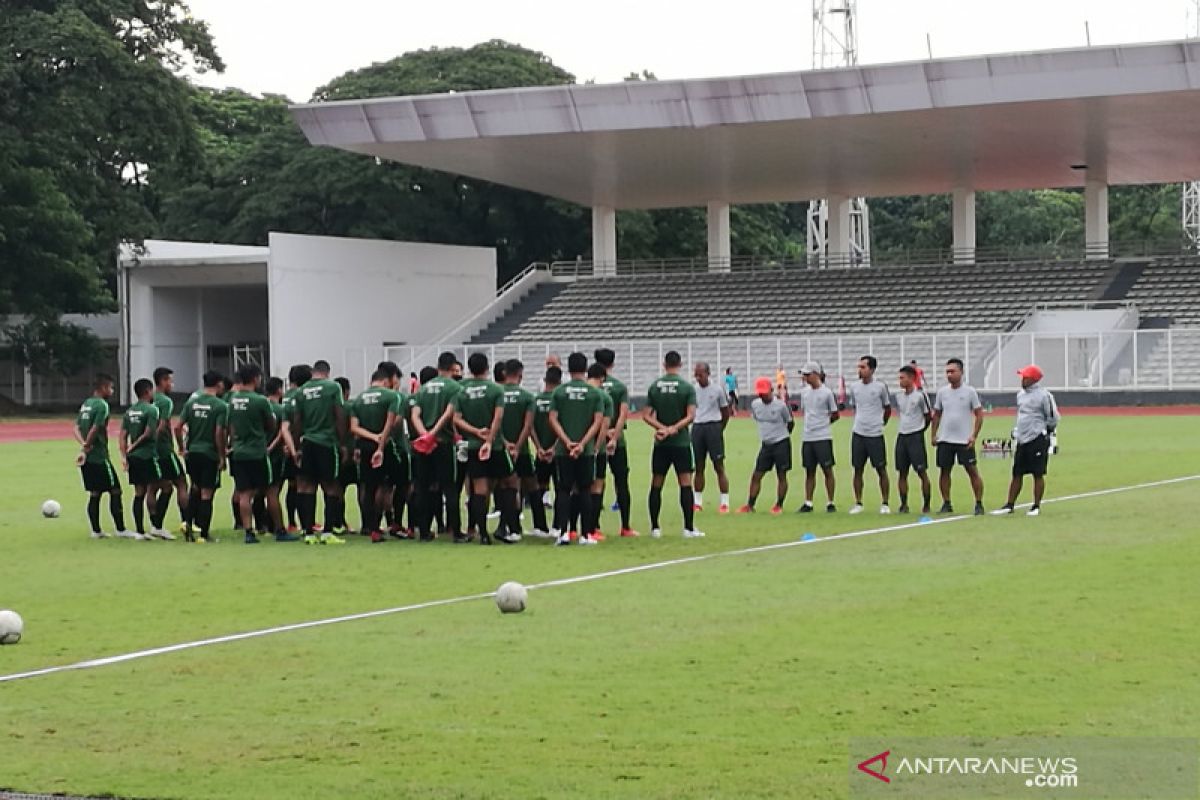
(708, 433)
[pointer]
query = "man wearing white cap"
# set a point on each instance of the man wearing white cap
(1037, 417)
(820, 412)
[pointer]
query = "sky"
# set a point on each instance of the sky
(291, 48)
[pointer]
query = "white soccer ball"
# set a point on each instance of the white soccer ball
(51, 509)
(511, 597)
(11, 627)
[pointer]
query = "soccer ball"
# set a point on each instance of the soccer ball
(51, 509)
(511, 597)
(11, 626)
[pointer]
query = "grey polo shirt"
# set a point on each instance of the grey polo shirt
(911, 407)
(1037, 413)
(709, 402)
(958, 413)
(772, 419)
(818, 405)
(869, 401)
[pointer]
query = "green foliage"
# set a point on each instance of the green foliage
(49, 346)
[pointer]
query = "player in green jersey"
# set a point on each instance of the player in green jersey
(95, 467)
(319, 418)
(298, 375)
(595, 376)
(372, 417)
(277, 455)
(670, 409)
(348, 469)
(203, 441)
(397, 458)
(431, 412)
(251, 429)
(576, 417)
(544, 441)
(173, 477)
(618, 454)
(517, 429)
(139, 451)
(478, 415)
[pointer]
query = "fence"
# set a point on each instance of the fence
(1166, 358)
(54, 390)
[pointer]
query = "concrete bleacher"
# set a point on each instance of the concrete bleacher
(1167, 293)
(801, 302)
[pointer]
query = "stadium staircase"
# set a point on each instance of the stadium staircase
(1167, 293)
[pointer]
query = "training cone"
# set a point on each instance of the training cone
(808, 537)
(925, 519)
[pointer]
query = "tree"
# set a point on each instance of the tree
(89, 105)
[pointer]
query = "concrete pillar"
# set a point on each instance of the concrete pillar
(604, 240)
(964, 226)
(837, 231)
(1095, 212)
(27, 386)
(719, 247)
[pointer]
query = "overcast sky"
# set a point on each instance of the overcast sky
(291, 48)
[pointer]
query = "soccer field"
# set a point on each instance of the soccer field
(738, 676)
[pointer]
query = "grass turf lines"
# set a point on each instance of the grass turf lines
(737, 677)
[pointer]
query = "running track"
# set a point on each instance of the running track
(51, 430)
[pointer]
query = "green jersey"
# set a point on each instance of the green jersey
(166, 440)
(94, 414)
(671, 396)
(619, 394)
(400, 429)
(577, 404)
(541, 420)
(280, 413)
(315, 405)
(517, 403)
(432, 399)
(477, 402)
(250, 420)
(140, 418)
(202, 415)
(610, 408)
(372, 406)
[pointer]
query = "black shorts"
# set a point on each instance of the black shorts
(708, 441)
(439, 468)
(99, 477)
(497, 467)
(665, 456)
(618, 463)
(202, 469)
(170, 467)
(144, 471)
(817, 454)
(774, 456)
(320, 463)
(911, 453)
(864, 448)
(576, 474)
(948, 453)
(372, 477)
(250, 474)
(397, 463)
(279, 464)
(348, 472)
(543, 471)
(1032, 458)
(523, 464)
(601, 464)
(290, 470)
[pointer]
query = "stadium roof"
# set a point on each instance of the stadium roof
(1130, 113)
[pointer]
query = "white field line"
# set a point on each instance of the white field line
(297, 626)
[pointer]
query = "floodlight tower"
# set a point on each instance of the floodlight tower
(835, 44)
(1191, 191)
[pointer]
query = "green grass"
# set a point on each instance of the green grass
(732, 677)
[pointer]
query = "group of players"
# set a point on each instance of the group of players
(485, 434)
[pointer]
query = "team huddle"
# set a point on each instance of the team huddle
(417, 451)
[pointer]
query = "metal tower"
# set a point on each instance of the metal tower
(1191, 191)
(835, 44)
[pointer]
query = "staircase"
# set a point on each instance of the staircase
(1120, 279)
(527, 306)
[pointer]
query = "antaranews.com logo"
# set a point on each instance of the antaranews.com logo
(1162, 769)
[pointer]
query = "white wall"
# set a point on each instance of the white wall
(235, 315)
(329, 294)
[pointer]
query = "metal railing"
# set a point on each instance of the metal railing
(1161, 359)
(900, 257)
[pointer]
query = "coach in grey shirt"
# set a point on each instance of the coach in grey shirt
(912, 406)
(820, 412)
(872, 409)
(708, 433)
(1037, 417)
(957, 418)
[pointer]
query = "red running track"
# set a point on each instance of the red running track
(51, 430)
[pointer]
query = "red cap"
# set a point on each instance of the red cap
(1033, 372)
(425, 444)
(762, 385)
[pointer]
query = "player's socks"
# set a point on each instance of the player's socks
(623, 499)
(699, 503)
(655, 506)
(139, 512)
(687, 503)
(293, 506)
(93, 512)
(116, 511)
(597, 507)
(184, 502)
(512, 509)
(477, 513)
(204, 518)
(306, 505)
(536, 508)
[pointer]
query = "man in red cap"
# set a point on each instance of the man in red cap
(775, 425)
(1037, 417)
